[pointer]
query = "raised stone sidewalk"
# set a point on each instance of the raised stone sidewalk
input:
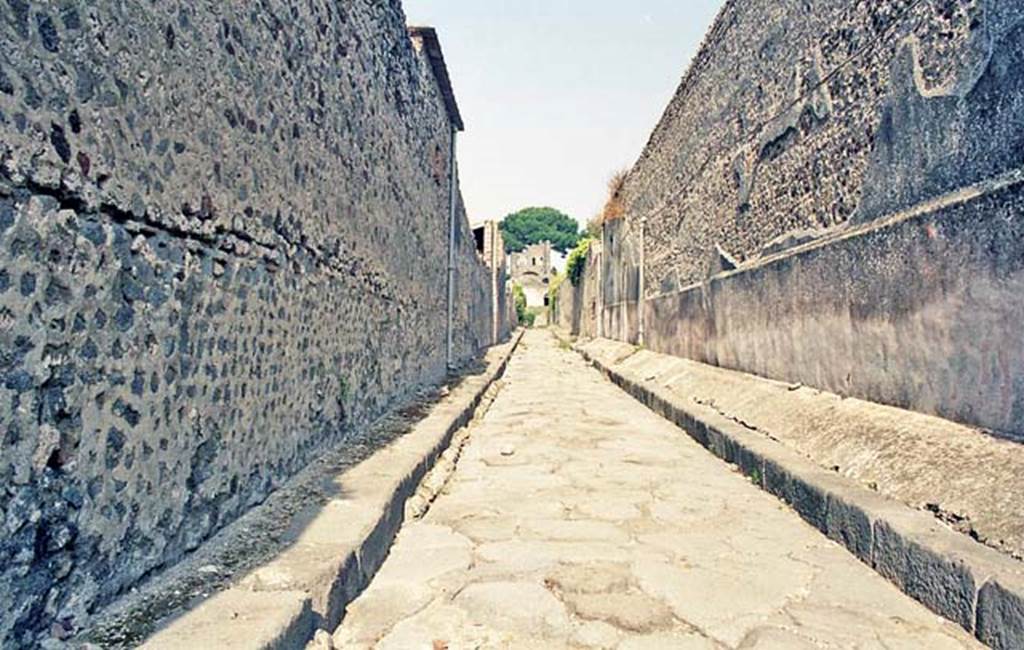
(904, 523)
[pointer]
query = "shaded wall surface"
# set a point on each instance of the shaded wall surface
(575, 307)
(223, 236)
(846, 213)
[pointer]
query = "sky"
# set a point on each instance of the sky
(557, 95)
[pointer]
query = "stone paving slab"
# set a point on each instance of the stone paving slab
(578, 518)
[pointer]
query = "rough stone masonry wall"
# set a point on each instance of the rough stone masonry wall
(772, 127)
(223, 233)
(861, 163)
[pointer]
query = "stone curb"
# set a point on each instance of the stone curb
(259, 620)
(970, 584)
(308, 586)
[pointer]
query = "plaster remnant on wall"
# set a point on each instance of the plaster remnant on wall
(934, 141)
(791, 240)
(810, 100)
(721, 261)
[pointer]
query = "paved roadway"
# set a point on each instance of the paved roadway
(577, 518)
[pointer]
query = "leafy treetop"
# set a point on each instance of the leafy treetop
(534, 225)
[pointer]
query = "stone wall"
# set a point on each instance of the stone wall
(491, 248)
(739, 160)
(846, 214)
(576, 307)
(566, 311)
(223, 236)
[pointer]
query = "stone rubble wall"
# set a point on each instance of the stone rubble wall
(739, 160)
(223, 246)
(844, 215)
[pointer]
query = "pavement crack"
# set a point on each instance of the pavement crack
(710, 403)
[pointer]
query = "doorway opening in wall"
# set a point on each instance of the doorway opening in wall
(478, 237)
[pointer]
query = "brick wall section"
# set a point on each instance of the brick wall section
(223, 234)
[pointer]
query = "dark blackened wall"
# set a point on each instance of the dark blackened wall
(223, 234)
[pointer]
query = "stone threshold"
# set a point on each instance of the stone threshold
(969, 583)
(306, 588)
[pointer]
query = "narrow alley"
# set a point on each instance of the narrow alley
(406, 324)
(576, 517)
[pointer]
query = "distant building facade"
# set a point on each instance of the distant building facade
(490, 246)
(532, 270)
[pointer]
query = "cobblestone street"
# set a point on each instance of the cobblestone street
(578, 518)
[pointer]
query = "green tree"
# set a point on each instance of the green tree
(534, 225)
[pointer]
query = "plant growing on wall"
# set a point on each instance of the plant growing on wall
(577, 262)
(556, 284)
(615, 205)
(519, 297)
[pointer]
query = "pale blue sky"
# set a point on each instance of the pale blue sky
(558, 94)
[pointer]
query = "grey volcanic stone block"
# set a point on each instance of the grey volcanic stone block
(348, 584)
(698, 430)
(1000, 617)
(944, 584)
(807, 499)
(374, 549)
(732, 447)
(750, 462)
(716, 442)
(847, 524)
